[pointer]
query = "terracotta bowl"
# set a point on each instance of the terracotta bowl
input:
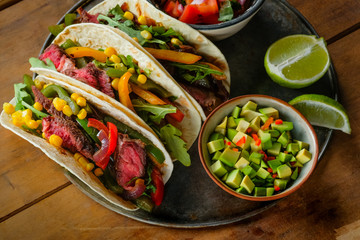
(302, 131)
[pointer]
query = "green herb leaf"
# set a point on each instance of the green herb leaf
(21, 95)
(158, 112)
(199, 70)
(39, 114)
(37, 63)
(226, 12)
(174, 144)
(117, 12)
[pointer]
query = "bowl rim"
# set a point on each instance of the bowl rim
(249, 12)
(264, 198)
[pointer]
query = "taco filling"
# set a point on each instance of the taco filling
(125, 161)
(120, 77)
(198, 76)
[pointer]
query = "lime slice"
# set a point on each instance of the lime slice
(297, 61)
(322, 111)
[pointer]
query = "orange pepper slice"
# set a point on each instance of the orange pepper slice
(77, 52)
(174, 56)
(124, 93)
(146, 95)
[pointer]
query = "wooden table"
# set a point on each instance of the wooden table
(38, 202)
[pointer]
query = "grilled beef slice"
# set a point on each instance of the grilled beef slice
(86, 17)
(58, 56)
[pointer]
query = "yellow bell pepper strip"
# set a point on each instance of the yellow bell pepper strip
(146, 95)
(216, 76)
(174, 56)
(124, 93)
(77, 52)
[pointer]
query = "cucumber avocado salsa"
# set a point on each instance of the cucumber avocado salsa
(253, 151)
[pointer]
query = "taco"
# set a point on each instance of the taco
(97, 59)
(188, 56)
(103, 147)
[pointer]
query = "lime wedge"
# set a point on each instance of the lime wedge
(297, 61)
(322, 111)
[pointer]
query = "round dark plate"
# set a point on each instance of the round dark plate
(191, 199)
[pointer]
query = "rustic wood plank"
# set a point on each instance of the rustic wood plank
(7, 3)
(330, 17)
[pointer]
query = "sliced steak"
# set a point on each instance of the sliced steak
(58, 56)
(47, 104)
(86, 17)
(94, 77)
(130, 160)
(73, 138)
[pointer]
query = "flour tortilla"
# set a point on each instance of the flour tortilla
(202, 45)
(66, 160)
(98, 36)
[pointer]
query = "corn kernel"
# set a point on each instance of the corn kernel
(39, 122)
(176, 41)
(131, 70)
(59, 103)
(83, 162)
(115, 83)
(8, 108)
(74, 96)
(77, 156)
(67, 110)
(128, 15)
(32, 124)
(98, 172)
(118, 65)
(82, 114)
(89, 167)
(17, 118)
(115, 59)
(81, 101)
(38, 84)
(27, 114)
(38, 106)
(55, 140)
(142, 20)
(146, 34)
(142, 78)
(136, 39)
(45, 86)
(43, 135)
(110, 51)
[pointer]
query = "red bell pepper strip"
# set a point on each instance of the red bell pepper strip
(278, 121)
(241, 141)
(158, 195)
(92, 122)
(101, 158)
(178, 115)
(113, 136)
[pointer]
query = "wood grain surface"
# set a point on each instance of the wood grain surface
(37, 202)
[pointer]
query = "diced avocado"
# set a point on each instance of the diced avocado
(236, 111)
(225, 177)
(302, 144)
(283, 139)
(292, 148)
(249, 171)
(303, 156)
(263, 164)
(261, 132)
(228, 143)
(259, 182)
(284, 171)
(274, 164)
(297, 164)
(255, 166)
(285, 126)
(256, 157)
(255, 124)
(218, 168)
(215, 136)
(216, 156)
(243, 144)
(262, 173)
(269, 191)
(242, 190)
(255, 147)
(229, 157)
(266, 142)
(241, 163)
(275, 149)
(243, 125)
(249, 106)
(284, 157)
(295, 174)
(274, 133)
(231, 122)
(249, 114)
(234, 179)
(270, 112)
(259, 191)
(237, 120)
(247, 184)
(245, 154)
(221, 128)
(215, 145)
(281, 183)
(231, 133)
(264, 118)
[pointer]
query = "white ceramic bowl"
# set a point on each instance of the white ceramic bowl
(302, 131)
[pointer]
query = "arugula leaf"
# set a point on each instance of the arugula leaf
(35, 62)
(21, 95)
(158, 112)
(200, 70)
(226, 12)
(174, 144)
(38, 113)
(172, 32)
(117, 12)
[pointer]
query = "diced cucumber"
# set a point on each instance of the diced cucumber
(259, 191)
(229, 157)
(235, 113)
(218, 168)
(215, 145)
(247, 184)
